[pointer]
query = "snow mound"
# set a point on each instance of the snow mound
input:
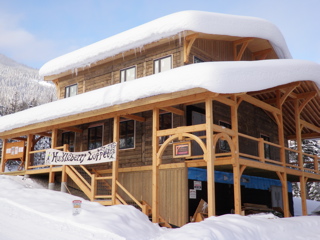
(238, 227)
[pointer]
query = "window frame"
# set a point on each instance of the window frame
(134, 134)
(164, 138)
(69, 87)
(266, 147)
(222, 143)
(71, 146)
(125, 73)
(88, 136)
(159, 67)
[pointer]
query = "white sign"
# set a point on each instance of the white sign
(192, 194)
(102, 154)
(197, 185)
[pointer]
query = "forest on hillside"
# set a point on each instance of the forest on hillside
(21, 87)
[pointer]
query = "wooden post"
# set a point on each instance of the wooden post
(54, 136)
(237, 188)
(64, 175)
(115, 164)
(236, 167)
(279, 120)
(94, 188)
(210, 158)
(4, 143)
(155, 166)
(28, 149)
(298, 133)
(283, 178)
(303, 194)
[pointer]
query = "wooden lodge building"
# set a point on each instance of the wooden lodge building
(201, 106)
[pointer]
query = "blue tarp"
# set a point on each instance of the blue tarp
(200, 174)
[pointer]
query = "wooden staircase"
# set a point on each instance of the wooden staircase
(99, 189)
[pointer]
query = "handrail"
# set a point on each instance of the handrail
(129, 194)
(81, 178)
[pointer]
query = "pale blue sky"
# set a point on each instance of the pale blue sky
(33, 32)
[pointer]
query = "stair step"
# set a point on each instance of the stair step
(104, 202)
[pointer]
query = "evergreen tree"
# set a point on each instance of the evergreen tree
(309, 146)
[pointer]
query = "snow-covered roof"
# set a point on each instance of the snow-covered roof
(219, 77)
(167, 26)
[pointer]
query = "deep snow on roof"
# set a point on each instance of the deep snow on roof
(167, 26)
(219, 77)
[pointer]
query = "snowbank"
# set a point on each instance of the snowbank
(24, 199)
(311, 206)
(219, 77)
(167, 26)
(32, 213)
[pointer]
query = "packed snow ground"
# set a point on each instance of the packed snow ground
(30, 212)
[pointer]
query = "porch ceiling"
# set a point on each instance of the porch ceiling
(310, 113)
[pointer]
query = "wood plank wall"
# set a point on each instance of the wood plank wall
(173, 191)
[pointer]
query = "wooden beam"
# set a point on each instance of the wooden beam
(310, 126)
(189, 40)
(155, 166)
(72, 129)
(261, 54)
(4, 146)
(210, 158)
(260, 104)
(293, 95)
(29, 146)
(244, 44)
(303, 194)
(134, 117)
(307, 99)
(173, 110)
(283, 178)
(305, 136)
(20, 138)
(44, 134)
(115, 164)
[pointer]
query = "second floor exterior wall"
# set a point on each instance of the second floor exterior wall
(143, 63)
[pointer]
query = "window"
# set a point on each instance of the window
(267, 150)
(94, 137)
(71, 90)
(197, 60)
(128, 74)
(165, 122)
(223, 144)
(69, 138)
(127, 131)
(162, 64)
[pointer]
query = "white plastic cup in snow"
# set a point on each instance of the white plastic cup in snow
(76, 206)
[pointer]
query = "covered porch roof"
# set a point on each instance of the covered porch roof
(257, 78)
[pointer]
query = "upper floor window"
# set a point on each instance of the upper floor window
(165, 122)
(95, 137)
(127, 134)
(197, 60)
(162, 64)
(128, 74)
(69, 138)
(71, 90)
(267, 150)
